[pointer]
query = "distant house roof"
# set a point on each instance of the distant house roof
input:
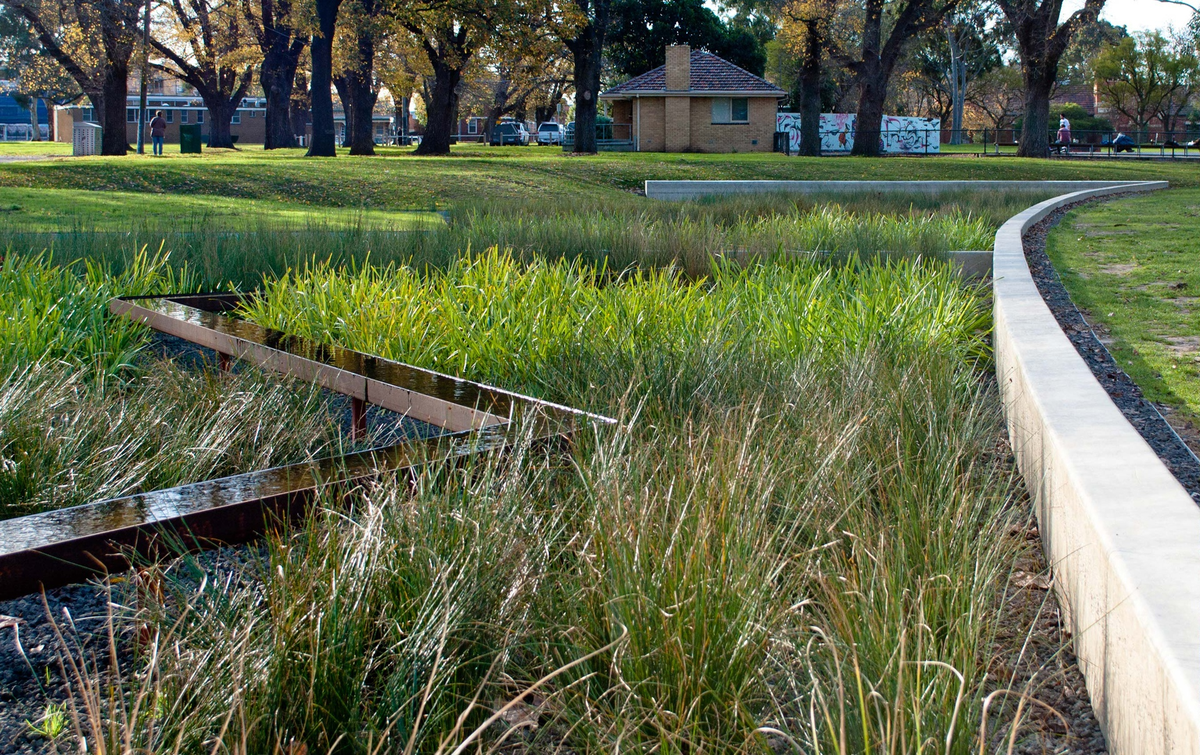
(709, 74)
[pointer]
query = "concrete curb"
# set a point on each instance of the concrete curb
(1122, 534)
(680, 190)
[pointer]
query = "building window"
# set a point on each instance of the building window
(472, 126)
(89, 113)
(730, 110)
(183, 116)
(237, 116)
(170, 116)
(253, 113)
(131, 115)
(199, 116)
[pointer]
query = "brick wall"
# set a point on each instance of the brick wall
(677, 124)
(679, 68)
(651, 135)
(684, 124)
(249, 131)
(756, 136)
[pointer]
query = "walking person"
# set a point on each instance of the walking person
(158, 131)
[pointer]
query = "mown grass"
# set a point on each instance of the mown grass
(398, 180)
(1131, 265)
(76, 210)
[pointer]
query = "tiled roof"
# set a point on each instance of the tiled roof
(709, 74)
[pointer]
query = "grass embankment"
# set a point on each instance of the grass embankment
(76, 210)
(397, 180)
(1133, 265)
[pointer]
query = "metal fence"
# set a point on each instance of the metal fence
(609, 136)
(21, 132)
(1145, 142)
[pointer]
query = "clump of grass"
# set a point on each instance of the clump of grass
(798, 532)
(57, 313)
(615, 233)
(550, 327)
(66, 440)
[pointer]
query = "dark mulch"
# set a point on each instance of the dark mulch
(1089, 341)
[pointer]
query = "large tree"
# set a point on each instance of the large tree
(36, 76)
(452, 34)
(876, 57)
(640, 31)
(1147, 76)
(808, 30)
(206, 43)
(1041, 42)
(93, 41)
(273, 26)
(944, 67)
(585, 39)
(324, 138)
(358, 87)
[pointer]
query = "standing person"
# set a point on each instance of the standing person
(158, 131)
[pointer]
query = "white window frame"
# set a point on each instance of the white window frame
(237, 117)
(183, 116)
(722, 110)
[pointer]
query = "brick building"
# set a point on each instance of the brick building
(181, 105)
(697, 102)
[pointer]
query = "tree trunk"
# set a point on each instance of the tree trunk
(440, 110)
(220, 115)
(343, 93)
(360, 111)
(324, 142)
(810, 93)
(958, 86)
(401, 108)
(587, 85)
(112, 110)
(33, 114)
(868, 124)
(1035, 131)
(277, 76)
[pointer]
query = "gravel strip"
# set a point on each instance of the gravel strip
(1151, 420)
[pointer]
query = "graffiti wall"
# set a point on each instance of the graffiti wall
(898, 135)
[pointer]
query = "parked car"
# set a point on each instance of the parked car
(510, 132)
(550, 133)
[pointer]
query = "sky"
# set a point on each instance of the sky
(1138, 15)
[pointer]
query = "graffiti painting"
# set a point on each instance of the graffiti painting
(897, 135)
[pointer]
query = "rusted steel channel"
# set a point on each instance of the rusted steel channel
(60, 547)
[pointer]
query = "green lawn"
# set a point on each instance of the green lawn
(397, 179)
(42, 210)
(32, 149)
(1134, 266)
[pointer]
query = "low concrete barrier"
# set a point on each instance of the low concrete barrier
(1122, 534)
(679, 190)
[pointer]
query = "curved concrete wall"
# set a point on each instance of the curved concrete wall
(1122, 535)
(678, 190)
